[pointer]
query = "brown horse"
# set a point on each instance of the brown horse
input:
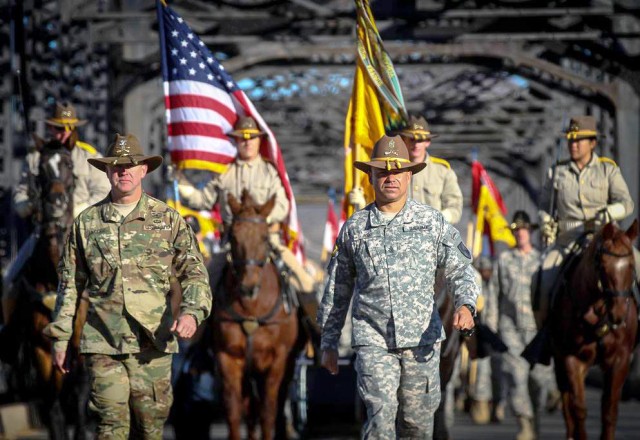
(255, 324)
(38, 282)
(595, 320)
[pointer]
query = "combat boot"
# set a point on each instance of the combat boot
(480, 412)
(527, 431)
(497, 415)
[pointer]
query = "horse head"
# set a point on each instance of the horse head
(249, 239)
(615, 271)
(55, 184)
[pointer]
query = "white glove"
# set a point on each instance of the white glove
(549, 227)
(616, 211)
(185, 189)
(447, 215)
(356, 198)
(24, 209)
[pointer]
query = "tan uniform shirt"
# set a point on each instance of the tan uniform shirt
(437, 186)
(582, 193)
(259, 177)
(92, 185)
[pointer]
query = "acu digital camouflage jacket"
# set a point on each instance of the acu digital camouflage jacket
(389, 269)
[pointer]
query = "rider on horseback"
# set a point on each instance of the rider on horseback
(91, 186)
(590, 191)
(252, 172)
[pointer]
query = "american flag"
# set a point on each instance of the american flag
(202, 104)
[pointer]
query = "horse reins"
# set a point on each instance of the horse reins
(604, 324)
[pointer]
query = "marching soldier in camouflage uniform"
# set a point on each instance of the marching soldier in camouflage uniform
(487, 393)
(119, 257)
(91, 186)
(517, 328)
(437, 186)
(252, 172)
(589, 192)
(386, 257)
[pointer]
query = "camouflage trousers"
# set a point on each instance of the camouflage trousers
(131, 394)
(400, 389)
(526, 389)
(488, 386)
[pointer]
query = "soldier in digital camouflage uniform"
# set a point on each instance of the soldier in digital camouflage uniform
(260, 177)
(589, 192)
(91, 186)
(487, 392)
(386, 257)
(119, 257)
(517, 327)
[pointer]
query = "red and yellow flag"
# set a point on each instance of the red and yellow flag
(490, 211)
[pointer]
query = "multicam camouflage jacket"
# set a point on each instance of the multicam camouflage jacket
(123, 266)
(389, 269)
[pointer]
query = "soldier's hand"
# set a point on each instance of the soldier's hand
(185, 189)
(356, 198)
(60, 361)
(549, 228)
(329, 361)
(185, 326)
(24, 209)
(602, 217)
(463, 319)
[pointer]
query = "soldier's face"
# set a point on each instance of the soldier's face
(248, 149)
(389, 186)
(126, 179)
(417, 149)
(580, 149)
(523, 237)
(60, 133)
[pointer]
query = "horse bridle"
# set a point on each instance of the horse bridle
(606, 291)
(605, 323)
(49, 177)
(235, 263)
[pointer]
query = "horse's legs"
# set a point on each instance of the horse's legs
(251, 405)
(615, 374)
(273, 379)
(573, 398)
(232, 370)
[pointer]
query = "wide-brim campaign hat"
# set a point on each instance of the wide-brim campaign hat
(125, 150)
(390, 153)
(582, 127)
(521, 220)
(246, 128)
(65, 116)
(418, 129)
